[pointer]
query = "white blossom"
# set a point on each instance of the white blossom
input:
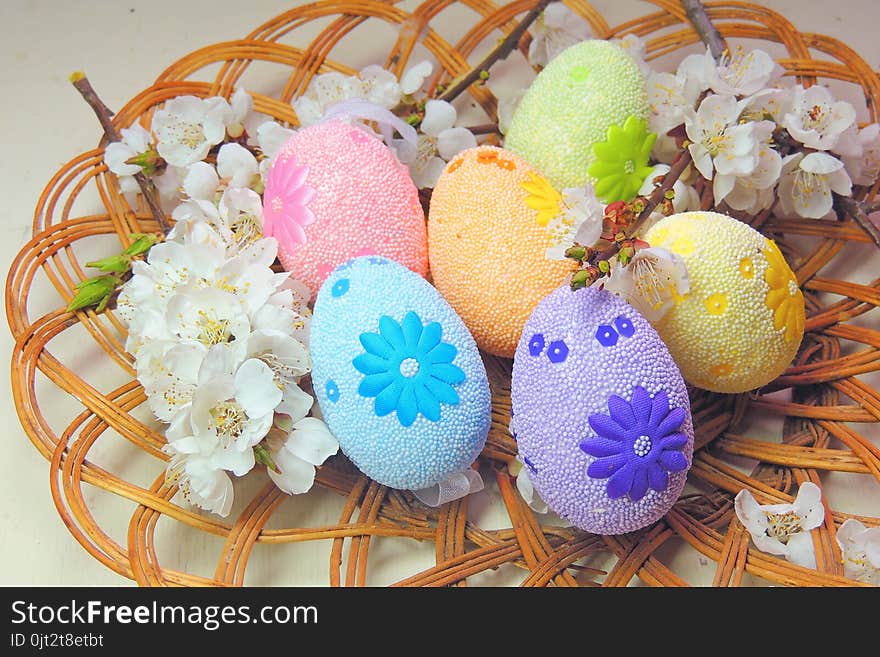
(722, 149)
(863, 163)
(750, 192)
(438, 142)
(650, 282)
(808, 181)
(135, 141)
(860, 547)
(784, 529)
(187, 127)
(557, 28)
(308, 445)
(579, 221)
(816, 119)
(200, 483)
(744, 73)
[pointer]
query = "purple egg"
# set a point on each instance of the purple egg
(600, 412)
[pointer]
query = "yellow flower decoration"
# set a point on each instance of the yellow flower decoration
(785, 298)
(543, 198)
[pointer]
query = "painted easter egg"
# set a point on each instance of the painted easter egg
(601, 414)
(398, 377)
(571, 105)
(742, 322)
(487, 239)
(335, 192)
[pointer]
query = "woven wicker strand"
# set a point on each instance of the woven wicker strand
(830, 394)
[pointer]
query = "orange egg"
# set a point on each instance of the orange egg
(487, 247)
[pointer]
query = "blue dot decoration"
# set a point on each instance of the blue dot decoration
(606, 335)
(536, 344)
(624, 326)
(340, 287)
(557, 352)
(332, 391)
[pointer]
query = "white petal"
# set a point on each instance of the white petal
(702, 160)
(428, 175)
(241, 104)
(180, 155)
(255, 388)
(296, 476)
(453, 141)
(237, 163)
(849, 530)
(271, 137)
(529, 495)
(295, 402)
(439, 116)
(414, 77)
(821, 163)
(237, 462)
(722, 186)
(840, 182)
(808, 505)
(201, 181)
(137, 138)
(312, 441)
(800, 550)
(115, 155)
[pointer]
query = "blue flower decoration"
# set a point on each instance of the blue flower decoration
(638, 445)
(408, 368)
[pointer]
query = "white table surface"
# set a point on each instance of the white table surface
(123, 46)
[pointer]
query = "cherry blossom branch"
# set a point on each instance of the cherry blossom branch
(500, 51)
(656, 198)
(104, 114)
(858, 212)
(709, 34)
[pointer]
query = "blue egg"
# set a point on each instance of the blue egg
(397, 374)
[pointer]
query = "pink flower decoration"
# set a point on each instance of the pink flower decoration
(285, 202)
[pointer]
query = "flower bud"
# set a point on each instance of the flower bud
(94, 291)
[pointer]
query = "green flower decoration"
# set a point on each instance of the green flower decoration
(621, 164)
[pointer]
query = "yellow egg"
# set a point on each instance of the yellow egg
(487, 243)
(742, 322)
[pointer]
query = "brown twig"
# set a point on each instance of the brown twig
(501, 51)
(485, 129)
(656, 198)
(710, 35)
(104, 114)
(856, 210)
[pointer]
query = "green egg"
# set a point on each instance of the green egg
(584, 91)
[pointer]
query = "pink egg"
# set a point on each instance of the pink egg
(336, 192)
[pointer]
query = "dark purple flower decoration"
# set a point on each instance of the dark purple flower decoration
(637, 445)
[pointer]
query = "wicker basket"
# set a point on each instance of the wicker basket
(828, 381)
